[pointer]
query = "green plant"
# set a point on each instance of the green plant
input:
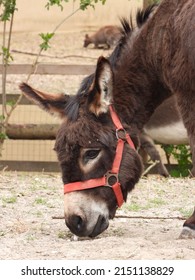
(46, 38)
(182, 154)
(185, 212)
(84, 4)
(40, 201)
(133, 206)
(61, 234)
(8, 8)
(156, 202)
(11, 199)
(55, 2)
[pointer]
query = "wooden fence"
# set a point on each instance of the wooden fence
(36, 131)
(49, 69)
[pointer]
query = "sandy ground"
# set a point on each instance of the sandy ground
(29, 203)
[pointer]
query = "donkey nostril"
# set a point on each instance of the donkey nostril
(77, 222)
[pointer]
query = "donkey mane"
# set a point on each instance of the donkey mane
(127, 29)
(143, 14)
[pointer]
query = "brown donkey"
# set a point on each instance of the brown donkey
(99, 162)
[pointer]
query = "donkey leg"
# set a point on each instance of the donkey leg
(187, 106)
(189, 227)
(147, 144)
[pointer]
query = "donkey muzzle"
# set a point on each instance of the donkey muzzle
(79, 226)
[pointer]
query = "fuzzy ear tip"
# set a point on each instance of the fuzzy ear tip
(23, 86)
(102, 59)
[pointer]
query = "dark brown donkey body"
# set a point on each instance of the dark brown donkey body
(99, 166)
(106, 36)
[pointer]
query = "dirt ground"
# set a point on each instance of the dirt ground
(30, 202)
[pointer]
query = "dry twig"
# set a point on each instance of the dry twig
(137, 217)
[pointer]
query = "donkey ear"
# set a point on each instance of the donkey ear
(50, 102)
(100, 96)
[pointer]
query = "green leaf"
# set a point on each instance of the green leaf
(55, 2)
(2, 118)
(9, 7)
(175, 173)
(182, 154)
(3, 136)
(84, 4)
(46, 37)
(7, 57)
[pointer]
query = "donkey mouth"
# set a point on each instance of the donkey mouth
(101, 225)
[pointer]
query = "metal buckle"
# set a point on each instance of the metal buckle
(111, 179)
(121, 134)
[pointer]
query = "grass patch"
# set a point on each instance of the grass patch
(155, 202)
(30, 237)
(185, 212)
(40, 200)
(133, 206)
(11, 199)
(2, 233)
(152, 203)
(65, 235)
(39, 214)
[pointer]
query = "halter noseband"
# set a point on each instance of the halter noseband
(111, 178)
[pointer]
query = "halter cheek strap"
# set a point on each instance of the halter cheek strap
(111, 178)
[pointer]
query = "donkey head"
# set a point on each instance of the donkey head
(86, 146)
(87, 41)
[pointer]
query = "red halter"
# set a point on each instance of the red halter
(112, 175)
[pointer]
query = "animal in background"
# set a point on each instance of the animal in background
(107, 36)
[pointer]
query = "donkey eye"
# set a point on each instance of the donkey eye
(91, 154)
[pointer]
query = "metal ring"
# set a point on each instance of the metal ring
(123, 131)
(111, 179)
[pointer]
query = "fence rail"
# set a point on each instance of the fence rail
(36, 131)
(49, 69)
(32, 166)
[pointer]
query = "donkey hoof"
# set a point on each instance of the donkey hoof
(187, 233)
